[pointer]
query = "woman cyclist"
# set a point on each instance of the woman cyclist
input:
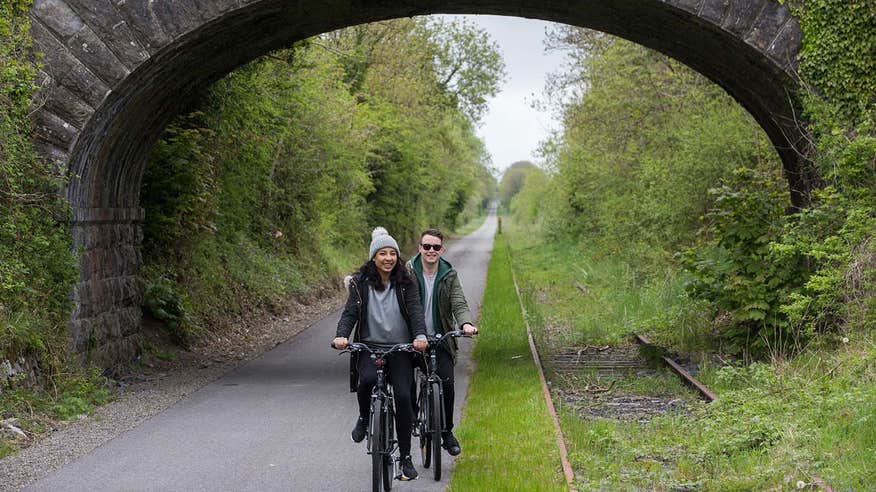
(384, 308)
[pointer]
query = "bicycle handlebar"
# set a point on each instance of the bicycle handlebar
(361, 347)
(439, 338)
(402, 347)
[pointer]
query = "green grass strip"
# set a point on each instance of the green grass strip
(508, 438)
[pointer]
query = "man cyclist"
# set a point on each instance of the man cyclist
(445, 309)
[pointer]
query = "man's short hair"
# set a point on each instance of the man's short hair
(432, 232)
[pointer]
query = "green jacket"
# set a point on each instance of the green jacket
(449, 308)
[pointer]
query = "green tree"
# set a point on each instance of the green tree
(513, 180)
(644, 139)
(468, 64)
(424, 157)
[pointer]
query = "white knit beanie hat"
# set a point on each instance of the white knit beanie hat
(380, 239)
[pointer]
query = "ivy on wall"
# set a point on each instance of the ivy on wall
(838, 57)
(36, 264)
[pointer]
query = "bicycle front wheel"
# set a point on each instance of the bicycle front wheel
(435, 428)
(388, 434)
(423, 422)
(376, 435)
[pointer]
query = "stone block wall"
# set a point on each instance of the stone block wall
(105, 325)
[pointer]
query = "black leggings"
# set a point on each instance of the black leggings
(401, 371)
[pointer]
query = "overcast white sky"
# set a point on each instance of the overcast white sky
(512, 130)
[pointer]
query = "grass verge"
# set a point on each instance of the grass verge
(507, 433)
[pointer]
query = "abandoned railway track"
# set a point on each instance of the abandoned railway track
(606, 361)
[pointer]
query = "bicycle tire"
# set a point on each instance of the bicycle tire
(376, 432)
(435, 424)
(423, 418)
(389, 427)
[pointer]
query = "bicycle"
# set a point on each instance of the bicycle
(430, 422)
(381, 444)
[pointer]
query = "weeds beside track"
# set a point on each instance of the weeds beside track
(507, 435)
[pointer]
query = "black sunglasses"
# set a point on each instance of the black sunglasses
(427, 246)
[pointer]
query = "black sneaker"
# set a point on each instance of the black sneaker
(408, 472)
(451, 444)
(359, 430)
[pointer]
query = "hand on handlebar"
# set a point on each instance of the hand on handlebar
(340, 343)
(469, 329)
(420, 345)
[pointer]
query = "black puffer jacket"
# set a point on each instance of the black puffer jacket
(355, 315)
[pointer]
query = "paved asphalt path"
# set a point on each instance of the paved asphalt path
(280, 422)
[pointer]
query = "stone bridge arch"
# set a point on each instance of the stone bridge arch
(117, 71)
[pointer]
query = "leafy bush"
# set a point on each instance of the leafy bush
(160, 301)
(738, 267)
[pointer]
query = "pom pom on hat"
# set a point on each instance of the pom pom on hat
(380, 239)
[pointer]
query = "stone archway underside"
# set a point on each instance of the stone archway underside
(117, 71)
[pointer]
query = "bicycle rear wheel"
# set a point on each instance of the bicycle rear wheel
(376, 434)
(435, 428)
(388, 434)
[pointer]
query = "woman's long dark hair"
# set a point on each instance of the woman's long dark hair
(398, 276)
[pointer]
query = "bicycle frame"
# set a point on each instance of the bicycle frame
(383, 393)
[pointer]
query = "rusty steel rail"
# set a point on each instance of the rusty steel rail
(685, 376)
(561, 441)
